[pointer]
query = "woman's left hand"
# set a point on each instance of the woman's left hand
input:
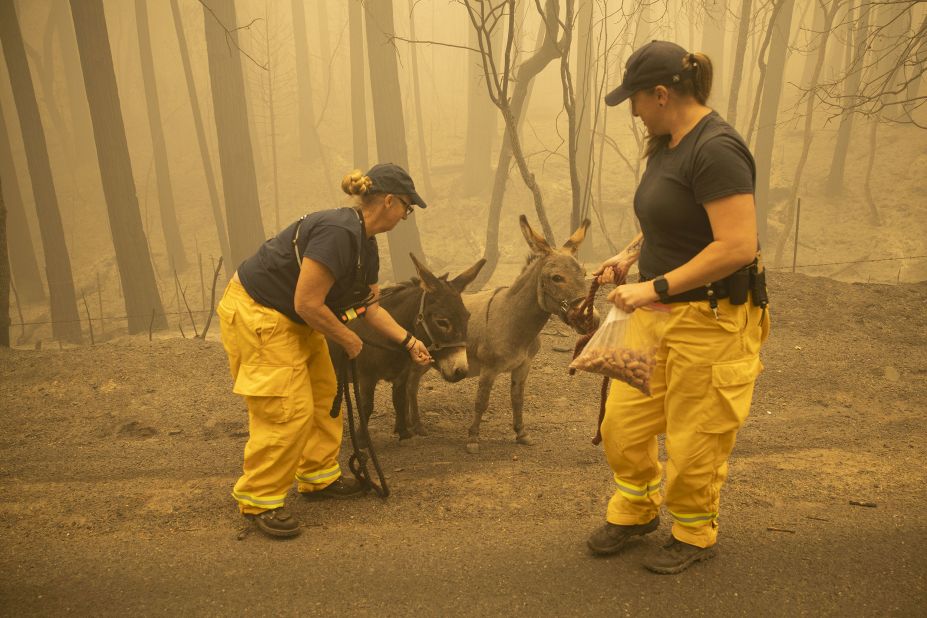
(419, 354)
(630, 296)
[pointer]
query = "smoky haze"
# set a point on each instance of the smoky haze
(144, 141)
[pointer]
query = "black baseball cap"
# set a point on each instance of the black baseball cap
(391, 178)
(654, 64)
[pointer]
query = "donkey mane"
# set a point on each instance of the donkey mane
(526, 272)
(402, 285)
(531, 257)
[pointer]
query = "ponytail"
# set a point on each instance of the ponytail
(700, 84)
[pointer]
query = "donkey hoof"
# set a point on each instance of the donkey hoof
(525, 439)
(473, 448)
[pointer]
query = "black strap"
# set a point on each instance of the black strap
(347, 372)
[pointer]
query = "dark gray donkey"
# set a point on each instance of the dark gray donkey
(431, 309)
(505, 325)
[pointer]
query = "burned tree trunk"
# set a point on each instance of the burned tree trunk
(546, 52)
(217, 215)
(419, 122)
(310, 146)
(854, 75)
(236, 158)
(769, 111)
(739, 53)
(77, 98)
(813, 77)
(4, 277)
(389, 123)
(169, 227)
(132, 255)
(713, 46)
(65, 320)
(358, 87)
(481, 127)
(23, 263)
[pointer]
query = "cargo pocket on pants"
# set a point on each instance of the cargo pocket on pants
(267, 390)
(732, 385)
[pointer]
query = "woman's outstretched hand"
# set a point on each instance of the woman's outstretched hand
(419, 353)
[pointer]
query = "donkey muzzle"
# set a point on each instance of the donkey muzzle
(452, 363)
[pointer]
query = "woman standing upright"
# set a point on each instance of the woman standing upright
(697, 254)
(275, 314)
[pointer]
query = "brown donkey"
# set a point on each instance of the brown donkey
(503, 334)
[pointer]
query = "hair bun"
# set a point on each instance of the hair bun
(356, 183)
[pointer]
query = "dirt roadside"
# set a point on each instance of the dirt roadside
(117, 461)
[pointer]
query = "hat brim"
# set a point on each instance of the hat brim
(617, 96)
(418, 201)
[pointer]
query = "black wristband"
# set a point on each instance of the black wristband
(405, 342)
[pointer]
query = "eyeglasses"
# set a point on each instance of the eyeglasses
(409, 206)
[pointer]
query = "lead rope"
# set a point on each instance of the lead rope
(358, 460)
(584, 318)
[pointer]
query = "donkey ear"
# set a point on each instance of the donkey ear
(572, 243)
(537, 243)
(461, 281)
(429, 282)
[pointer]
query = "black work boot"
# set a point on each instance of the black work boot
(343, 487)
(610, 538)
(676, 557)
(276, 523)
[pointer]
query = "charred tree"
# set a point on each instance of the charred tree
(854, 76)
(310, 146)
(324, 45)
(390, 124)
(169, 226)
(63, 300)
(584, 117)
(739, 53)
(482, 118)
(713, 35)
(208, 172)
(769, 111)
(23, 263)
(417, 95)
(44, 67)
(77, 98)
(825, 28)
(546, 52)
(136, 274)
(236, 158)
(4, 277)
(358, 87)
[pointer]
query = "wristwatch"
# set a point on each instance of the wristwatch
(661, 287)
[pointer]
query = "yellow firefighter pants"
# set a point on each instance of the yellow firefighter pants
(701, 389)
(283, 371)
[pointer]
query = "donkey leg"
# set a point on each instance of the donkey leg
(519, 377)
(412, 384)
(401, 407)
(367, 387)
(482, 402)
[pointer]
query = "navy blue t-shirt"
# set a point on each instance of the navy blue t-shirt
(710, 162)
(330, 237)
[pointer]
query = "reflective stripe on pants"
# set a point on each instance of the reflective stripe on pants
(283, 371)
(701, 389)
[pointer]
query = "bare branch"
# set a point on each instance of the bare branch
(230, 39)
